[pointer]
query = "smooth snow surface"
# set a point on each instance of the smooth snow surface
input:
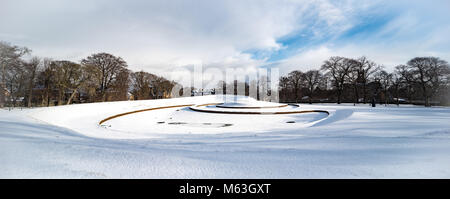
(350, 142)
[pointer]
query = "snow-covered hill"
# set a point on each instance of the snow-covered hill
(348, 142)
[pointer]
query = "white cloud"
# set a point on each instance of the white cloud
(157, 36)
(383, 54)
(155, 32)
(418, 29)
(149, 32)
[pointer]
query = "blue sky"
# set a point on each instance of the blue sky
(389, 32)
(158, 35)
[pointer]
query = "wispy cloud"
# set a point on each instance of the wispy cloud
(389, 33)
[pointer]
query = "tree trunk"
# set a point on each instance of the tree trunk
(425, 96)
(409, 94)
(396, 93)
(48, 97)
(364, 92)
(296, 94)
(374, 95)
(339, 96)
(3, 87)
(60, 97)
(72, 96)
(385, 96)
(43, 100)
(30, 92)
(2, 96)
(19, 93)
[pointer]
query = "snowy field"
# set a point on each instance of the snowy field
(348, 142)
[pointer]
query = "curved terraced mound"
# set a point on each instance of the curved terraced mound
(245, 115)
(272, 110)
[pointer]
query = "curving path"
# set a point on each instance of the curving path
(142, 110)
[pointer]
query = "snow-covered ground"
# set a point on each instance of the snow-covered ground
(350, 142)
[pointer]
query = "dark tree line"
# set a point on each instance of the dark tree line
(33, 81)
(422, 80)
(98, 78)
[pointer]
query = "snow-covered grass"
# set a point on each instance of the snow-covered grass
(352, 142)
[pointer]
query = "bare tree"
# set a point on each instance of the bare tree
(149, 86)
(429, 73)
(355, 77)
(406, 78)
(68, 76)
(440, 74)
(141, 83)
(10, 63)
(108, 66)
(120, 86)
(79, 77)
(296, 80)
(365, 68)
(338, 70)
(385, 80)
(312, 79)
(284, 88)
(161, 87)
(45, 79)
(31, 68)
(91, 84)
(396, 84)
(16, 78)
